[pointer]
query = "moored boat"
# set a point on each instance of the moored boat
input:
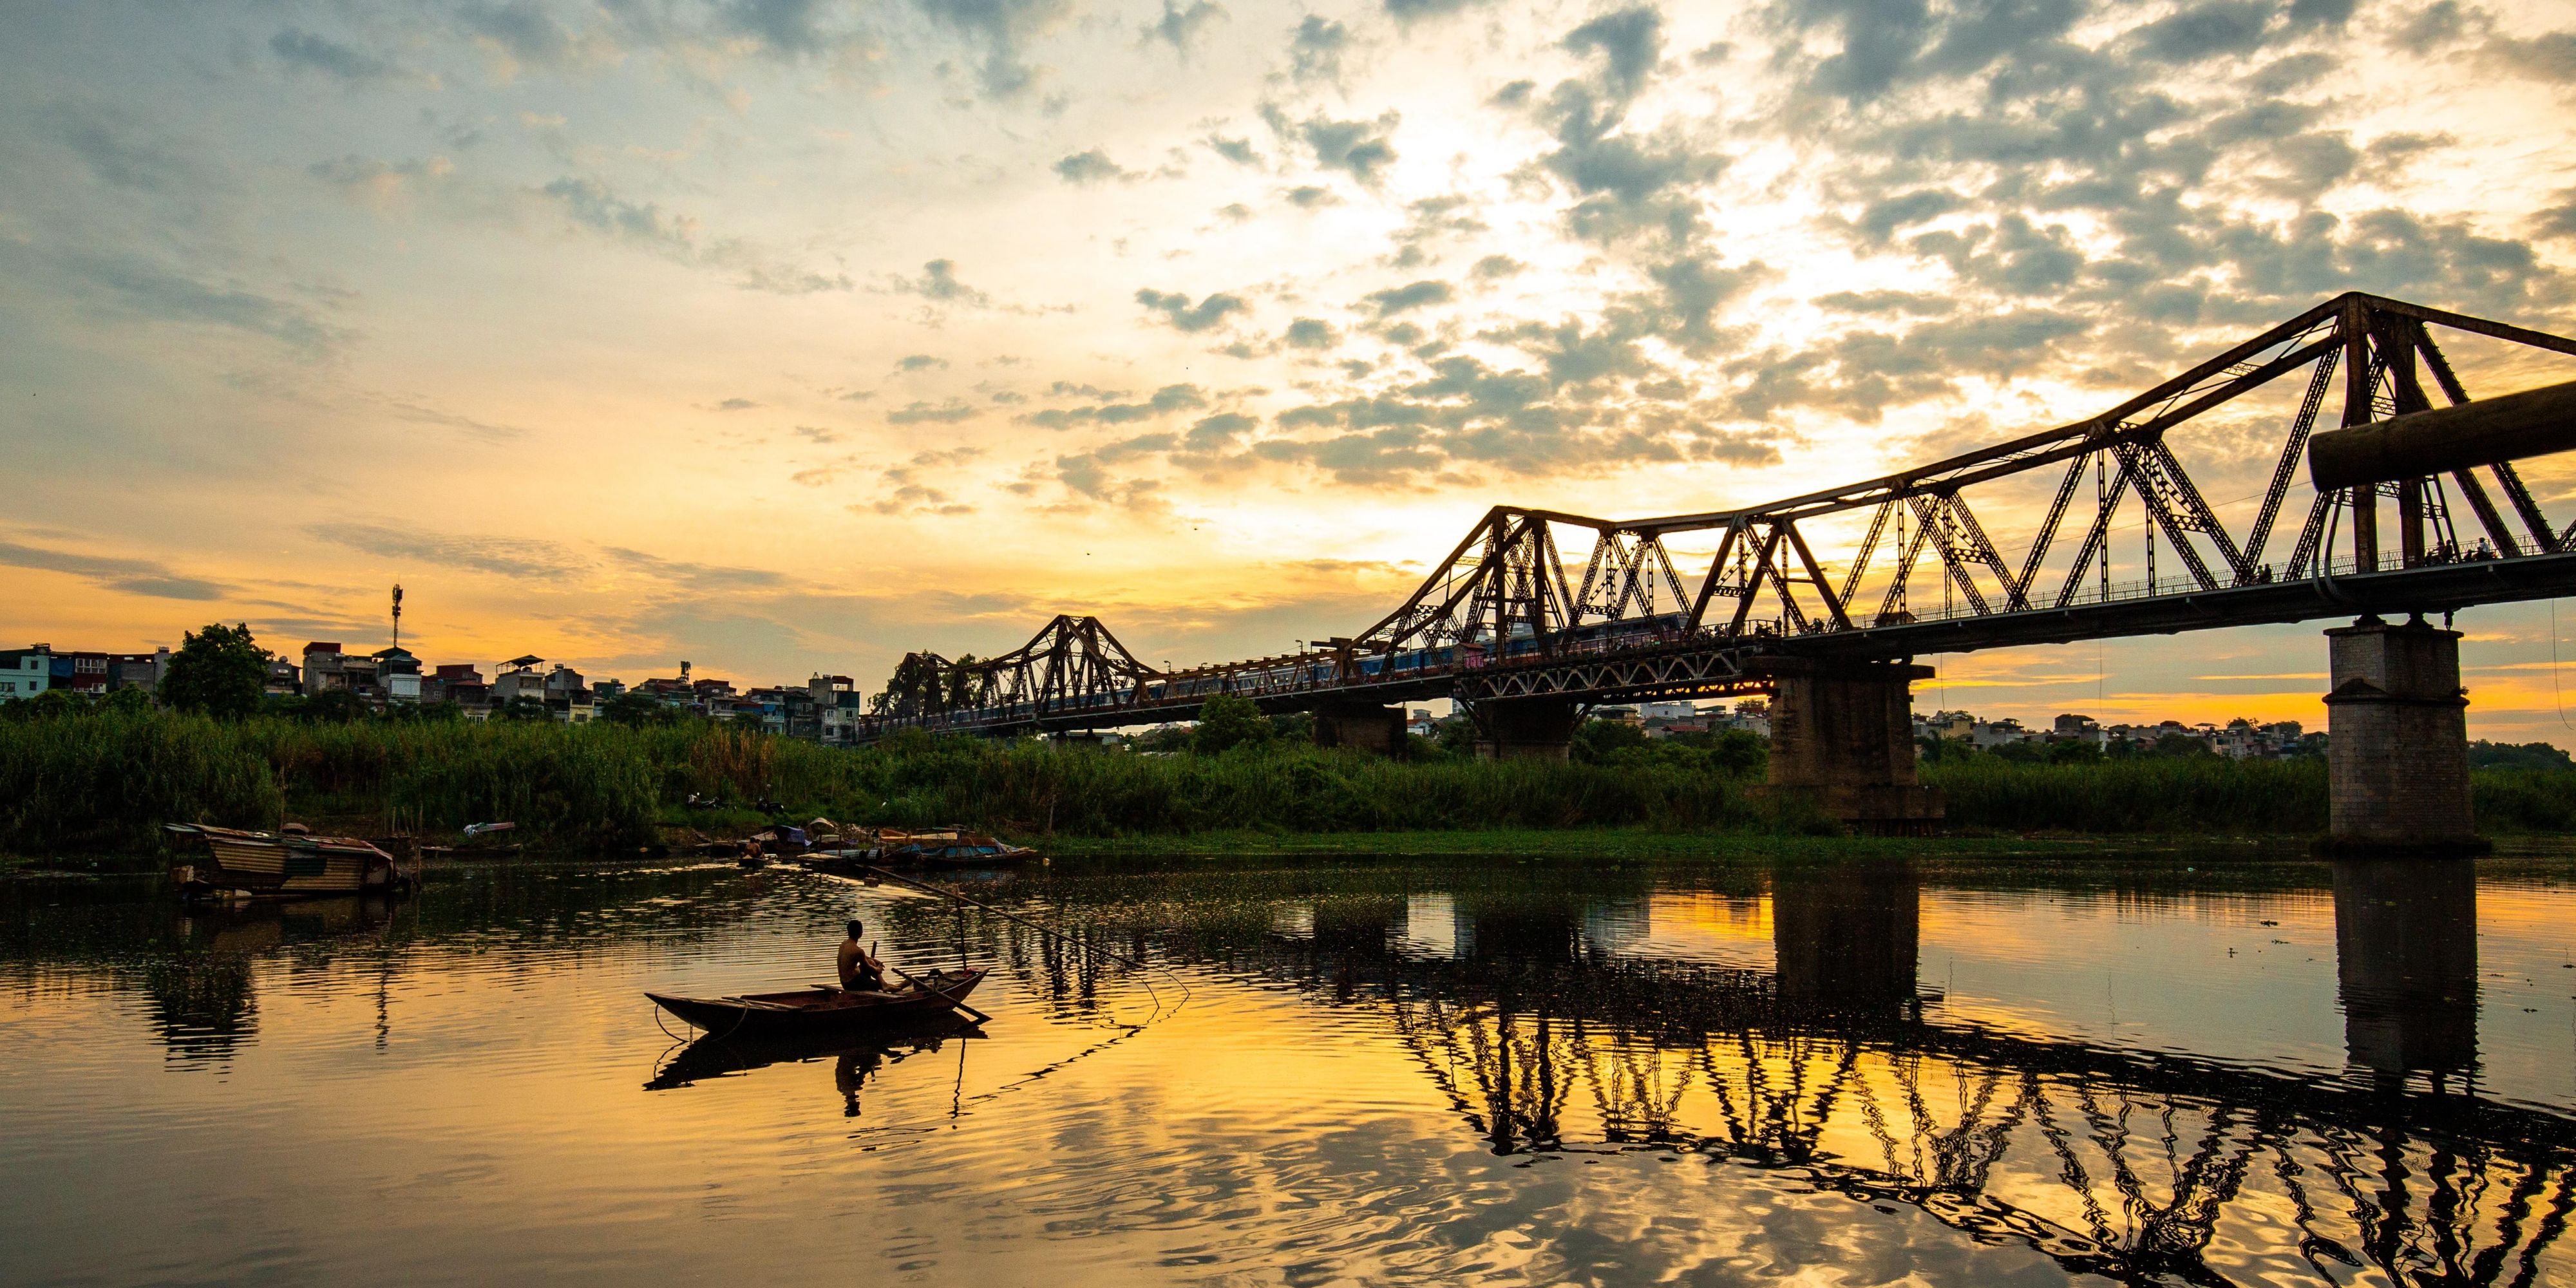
(291, 863)
(944, 848)
(822, 1009)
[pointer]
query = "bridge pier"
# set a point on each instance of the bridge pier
(2397, 751)
(2406, 964)
(1514, 728)
(1842, 736)
(1362, 727)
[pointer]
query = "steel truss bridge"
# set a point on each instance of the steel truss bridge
(1501, 617)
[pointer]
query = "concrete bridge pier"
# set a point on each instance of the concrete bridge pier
(1361, 726)
(1513, 728)
(2406, 964)
(2397, 753)
(1842, 736)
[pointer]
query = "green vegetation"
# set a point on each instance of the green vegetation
(104, 775)
(218, 671)
(92, 778)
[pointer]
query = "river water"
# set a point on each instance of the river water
(2155, 1067)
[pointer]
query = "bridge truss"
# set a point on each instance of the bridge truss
(1501, 617)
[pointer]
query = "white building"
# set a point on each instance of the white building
(25, 672)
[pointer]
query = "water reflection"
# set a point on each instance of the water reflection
(1845, 937)
(200, 990)
(1773, 1022)
(2406, 958)
(854, 1060)
(1545, 1039)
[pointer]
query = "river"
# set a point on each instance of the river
(2157, 1066)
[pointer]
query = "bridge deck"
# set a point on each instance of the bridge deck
(1668, 661)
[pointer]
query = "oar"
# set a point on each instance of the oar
(959, 1003)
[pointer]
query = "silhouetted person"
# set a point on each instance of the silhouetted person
(860, 972)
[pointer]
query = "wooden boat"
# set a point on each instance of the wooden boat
(287, 864)
(821, 1009)
(946, 848)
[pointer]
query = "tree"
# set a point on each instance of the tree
(521, 707)
(1594, 740)
(1227, 721)
(335, 706)
(219, 671)
(635, 710)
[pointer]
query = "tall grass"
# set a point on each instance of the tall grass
(109, 779)
(2205, 794)
(2149, 794)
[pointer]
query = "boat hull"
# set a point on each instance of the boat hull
(822, 1010)
(267, 865)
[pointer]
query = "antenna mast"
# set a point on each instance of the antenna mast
(397, 614)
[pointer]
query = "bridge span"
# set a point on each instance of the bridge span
(1506, 627)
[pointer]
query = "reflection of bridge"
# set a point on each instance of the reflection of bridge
(2143, 1167)
(1500, 626)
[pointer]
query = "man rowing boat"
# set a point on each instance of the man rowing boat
(860, 972)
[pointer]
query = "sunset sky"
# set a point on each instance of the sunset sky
(785, 336)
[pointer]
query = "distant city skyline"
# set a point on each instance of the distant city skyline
(789, 337)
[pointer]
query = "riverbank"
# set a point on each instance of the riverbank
(104, 781)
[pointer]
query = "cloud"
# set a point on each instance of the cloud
(1315, 50)
(1238, 151)
(129, 576)
(486, 431)
(500, 556)
(1887, 302)
(149, 291)
(938, 283)
(919, 362)
(2558, 220)
(1176, 308)
(377, 182)
(1092, 167)
(592, 205)
(946, 413)
(308, 52)
(1166, 400)
(521, 30)
(1494, 268)
(2551, 57)
(126, 152)
(1311, 333)
(718, 578)
(1178, 25)
(1881, 218)
(2200, 31)
(1310, 197)
(1360, 149)
(1405, 299)
(1004, 28)
(1630, 41)
(1210, 434)
(1409, 11)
